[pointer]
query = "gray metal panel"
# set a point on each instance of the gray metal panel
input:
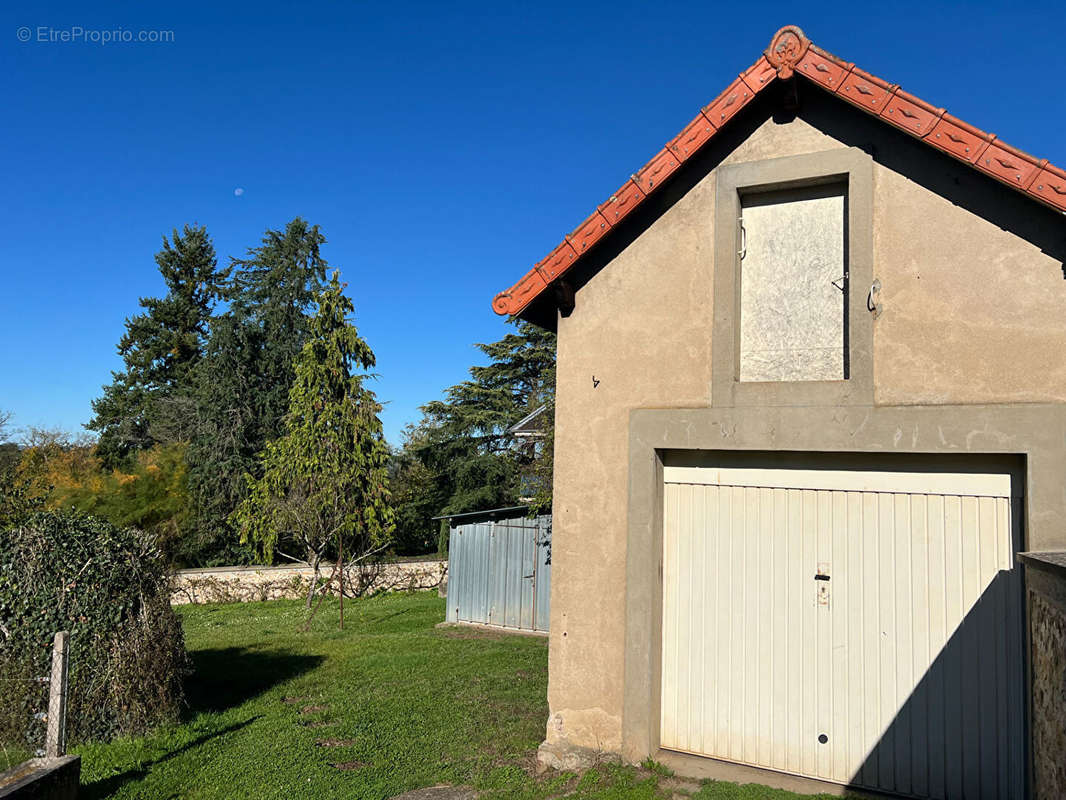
(481, 577)
(468, 595)
(468, 578)
(498, 573)
(510, 575)
(469, 598)
(520, 613)
(543, 568)
(526, 556)
(451, 610)
(462, 568)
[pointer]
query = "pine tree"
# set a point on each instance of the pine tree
(239, 391)
(160, 347)
(274, 291)
(463, 443)
(324, 481)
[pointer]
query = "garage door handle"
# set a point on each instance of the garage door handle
(821, 577)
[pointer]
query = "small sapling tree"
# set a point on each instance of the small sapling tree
(325, 479)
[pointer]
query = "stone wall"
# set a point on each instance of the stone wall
(248, 584)
(1046, 578)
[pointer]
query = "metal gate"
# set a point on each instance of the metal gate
(499, 570)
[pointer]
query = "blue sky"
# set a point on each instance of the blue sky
(442, 147)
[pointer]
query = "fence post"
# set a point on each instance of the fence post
(56, 738)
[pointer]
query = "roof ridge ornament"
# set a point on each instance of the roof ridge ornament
(786, 48)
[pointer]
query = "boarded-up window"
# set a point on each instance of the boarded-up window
(793, 286)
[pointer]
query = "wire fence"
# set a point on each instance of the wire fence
(28, 722)
(37, 714)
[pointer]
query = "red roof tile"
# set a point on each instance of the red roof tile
(791, 52)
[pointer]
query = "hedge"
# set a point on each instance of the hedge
(108, 587)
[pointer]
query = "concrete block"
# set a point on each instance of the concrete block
(42, 779)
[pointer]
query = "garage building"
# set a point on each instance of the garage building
(809, 413)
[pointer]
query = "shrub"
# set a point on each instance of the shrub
(148, 490)
(108, 586)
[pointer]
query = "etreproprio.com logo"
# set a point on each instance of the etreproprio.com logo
(76, 34)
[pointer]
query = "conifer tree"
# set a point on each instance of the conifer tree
(460, 456)
(160, 347)
(239, 392)
(324, 481)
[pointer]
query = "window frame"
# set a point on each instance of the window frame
(850, 167)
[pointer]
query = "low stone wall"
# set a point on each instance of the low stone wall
(1046, 582)
(246, 584)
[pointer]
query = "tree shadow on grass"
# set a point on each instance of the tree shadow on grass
(222, 678)
(108, 786)
(226, 677)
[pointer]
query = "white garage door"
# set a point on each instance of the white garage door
(857, 626)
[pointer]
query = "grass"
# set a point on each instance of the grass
(13, 755)
(387, 705)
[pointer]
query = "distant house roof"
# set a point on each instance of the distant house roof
(791, 52)
(530, 426)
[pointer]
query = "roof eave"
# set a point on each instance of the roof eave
(790, 53)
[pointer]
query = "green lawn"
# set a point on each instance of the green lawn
(389, 704)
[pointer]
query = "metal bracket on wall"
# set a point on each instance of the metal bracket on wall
(873, 305)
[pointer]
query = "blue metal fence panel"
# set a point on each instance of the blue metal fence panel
(499, 572)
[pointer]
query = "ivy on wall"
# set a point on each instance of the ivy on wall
(107, 586)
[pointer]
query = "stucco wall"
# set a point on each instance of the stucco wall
(973, 312)
(972, 315)
(652, 349)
